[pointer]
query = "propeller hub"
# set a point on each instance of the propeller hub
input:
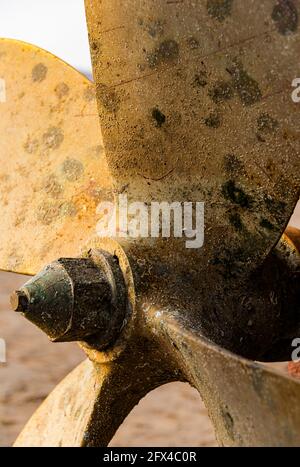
(73, 299)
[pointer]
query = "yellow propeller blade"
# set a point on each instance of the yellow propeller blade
(53, 172)
(195, 102)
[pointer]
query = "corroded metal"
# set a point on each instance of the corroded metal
(87, 408)
(53, 172)
(249, 404)
(195, 105)
(165, 345)
(158, 114)
(74, 300)
(202, 111)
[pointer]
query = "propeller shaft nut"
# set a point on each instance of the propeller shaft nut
(73, 299)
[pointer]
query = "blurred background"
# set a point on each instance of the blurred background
(170, 416)
(55, 25)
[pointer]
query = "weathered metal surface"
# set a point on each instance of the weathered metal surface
(196, 115)
(87, 408)
(53, 172)
(195, 105)
(75, 300)
(202, 111)
(249, 404)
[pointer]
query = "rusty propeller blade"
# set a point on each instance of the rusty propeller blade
(52, 167)
(89, 405)
(203, 111)
(249, 404)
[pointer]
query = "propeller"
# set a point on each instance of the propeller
(195, 105)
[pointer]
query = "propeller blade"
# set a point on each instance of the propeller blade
(53, 171)
(196, 105)
(249, 403)
(89, 405)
